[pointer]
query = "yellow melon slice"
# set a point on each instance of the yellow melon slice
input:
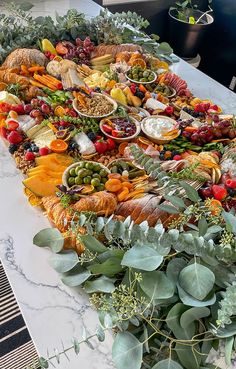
(42, 186)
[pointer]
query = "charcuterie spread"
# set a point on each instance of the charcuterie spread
(138, 179)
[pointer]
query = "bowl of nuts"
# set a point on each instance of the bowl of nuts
(95, 106)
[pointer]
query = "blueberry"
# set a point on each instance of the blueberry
(91, 136)
(36, 149)
(30, 149)
(97, 89)
(12, 148)
(139, 94)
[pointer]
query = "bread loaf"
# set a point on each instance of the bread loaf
(27, 57)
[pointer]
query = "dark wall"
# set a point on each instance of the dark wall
(218, 52)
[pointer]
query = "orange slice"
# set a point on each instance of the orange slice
(122, 147)
(57, 58)
(59, 111)
(58, 146)
(215, 206)
(162, 65)
(138, 61)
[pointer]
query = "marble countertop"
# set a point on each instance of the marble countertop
(51, 310)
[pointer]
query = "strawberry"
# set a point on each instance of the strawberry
(219, 192)
(116, 133)
(231, 183)
(101, 146)
(29, 156)
(19, 109)
(110, 144)
(14, 137)
(12, 125)
(169, 110)
(4, 132)
(43, 151)
(106, 128)
(177, 157)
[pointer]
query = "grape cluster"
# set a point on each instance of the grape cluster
(219, 129)
(195, 114)
(80, 52)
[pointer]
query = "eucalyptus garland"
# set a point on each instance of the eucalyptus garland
(169, 293)
(18, 27)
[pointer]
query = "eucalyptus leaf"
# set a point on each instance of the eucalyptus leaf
(156, 285)
(167, 364)
(195, 313)
(191, 301)
(187, 356)
(142, 257)
(110, 267)
(191, 193)
(127, 351)
(92, 244)
(168, 209)
(202, 226)
(43, 363)
(174, 267)
(176, 201)
(229, 341)
(99, 224)
(64, 261)
(173, 322)
(230, 220)
(101, 284)
(228, 331)
(75, 277)
(26, 6)
(197, 280)
(49, 237)
(100, 334)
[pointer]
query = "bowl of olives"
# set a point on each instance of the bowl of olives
(137, 74)
(90, 175)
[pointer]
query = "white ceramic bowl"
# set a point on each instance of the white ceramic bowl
(66, 172)
(123, 139)
(113, 102)
(143, 83)
(158, 140)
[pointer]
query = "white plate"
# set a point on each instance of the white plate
(97, 116)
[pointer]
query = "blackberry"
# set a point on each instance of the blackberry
(72, 145)
(231, 192)
(26, 145)
(162, 155)
(139, 94)
(91, 136)
(97, 89)
(12, 148)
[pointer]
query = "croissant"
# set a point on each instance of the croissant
(11, 78)
(27, 57)
(102, 203)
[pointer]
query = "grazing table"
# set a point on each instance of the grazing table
(53, 311)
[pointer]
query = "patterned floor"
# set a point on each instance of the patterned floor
(17, 350)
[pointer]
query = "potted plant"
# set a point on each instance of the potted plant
(187, 27)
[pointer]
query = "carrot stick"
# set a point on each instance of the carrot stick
(36, 68)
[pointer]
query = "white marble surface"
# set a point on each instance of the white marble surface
(52, 310)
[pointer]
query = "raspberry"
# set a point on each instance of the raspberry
(177, 157)
(29, 156)
(4, 132)
(43, 151)
(14, 137)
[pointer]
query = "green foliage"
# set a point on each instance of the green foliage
(49, 237)
(20, 29)
(127, 351)
(227, 306)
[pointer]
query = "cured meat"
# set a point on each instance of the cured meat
(103, 49)
(177, 83)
